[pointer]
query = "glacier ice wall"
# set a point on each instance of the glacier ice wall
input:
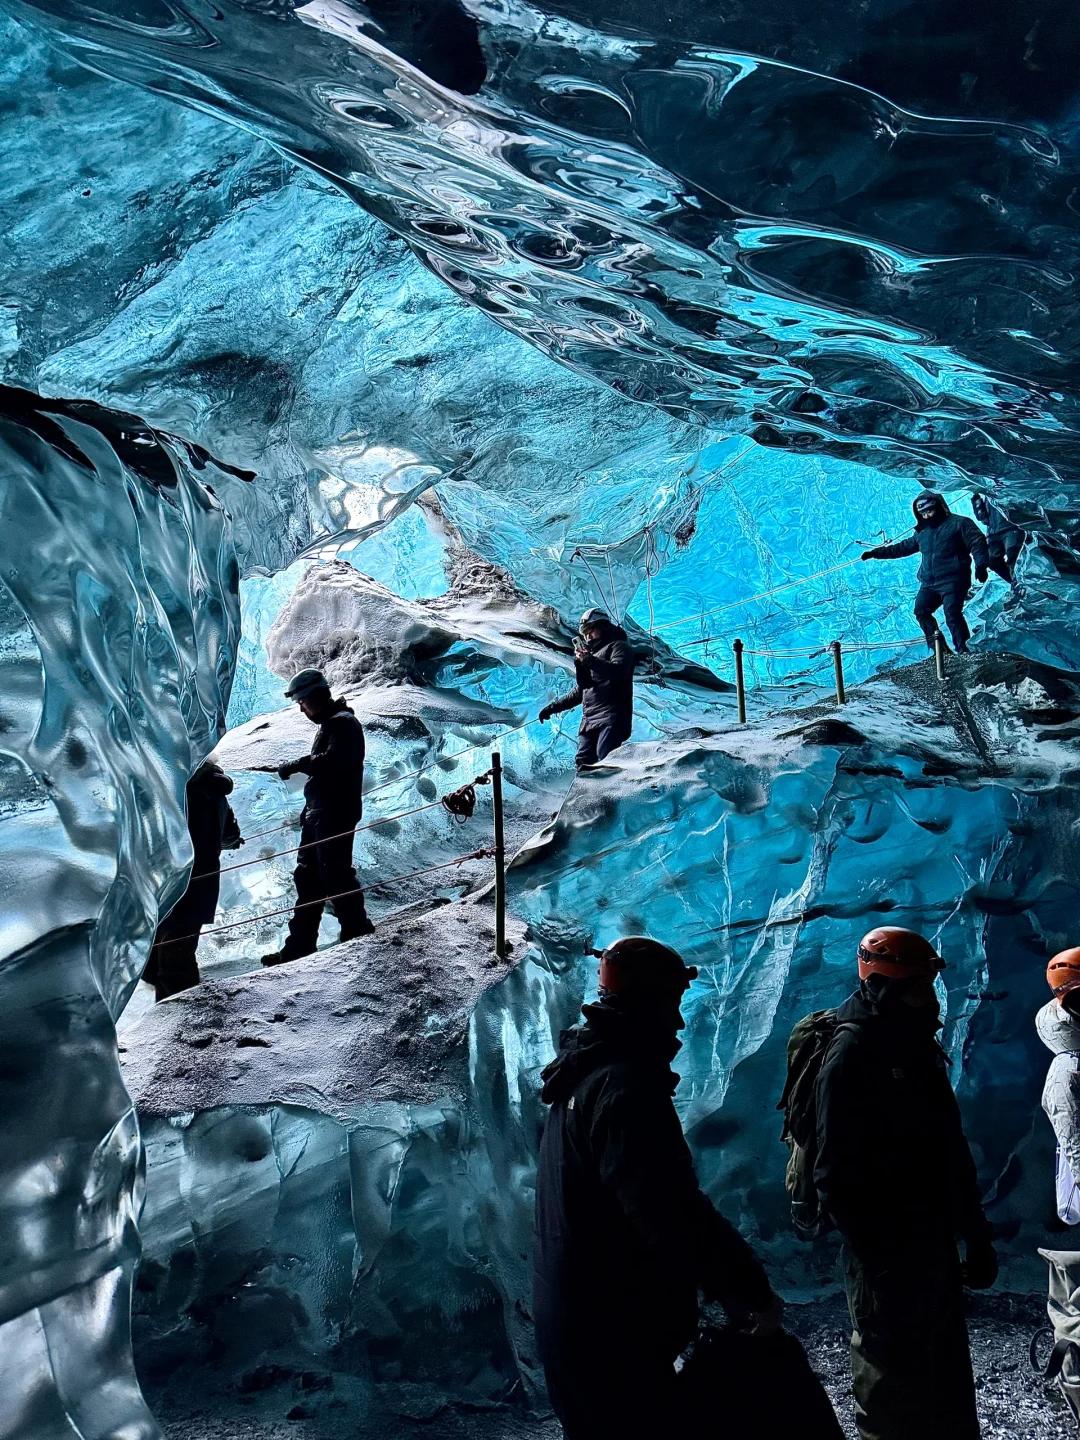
(799, 299)
(120, 618)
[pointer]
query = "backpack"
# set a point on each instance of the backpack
(807, 1047)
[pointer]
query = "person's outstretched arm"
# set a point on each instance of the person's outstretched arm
(896, 551)
(344, 752)
(565, 702)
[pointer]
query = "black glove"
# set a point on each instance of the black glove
(545, 714)
(286, 772)
(868, 555)
(980, 1268)
(982, 574)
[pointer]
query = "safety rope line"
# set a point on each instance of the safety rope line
(776, 589)
(483, 854)
(325, 839)
(412, 774)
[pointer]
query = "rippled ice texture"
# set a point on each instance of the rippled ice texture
(777, 302)
(118, 627)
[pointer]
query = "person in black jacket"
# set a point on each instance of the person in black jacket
(948, 544)
(172, 964)
(624, 1235)
(894, 1173)
(333, 804)
(1004, 540)
(604, 672)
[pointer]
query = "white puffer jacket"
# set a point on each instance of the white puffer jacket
(1060, 1033)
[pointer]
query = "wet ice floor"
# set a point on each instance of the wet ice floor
(1012, 1403)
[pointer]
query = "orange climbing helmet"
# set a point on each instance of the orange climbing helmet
(638, 964)
(1063, 972)
(898, 954)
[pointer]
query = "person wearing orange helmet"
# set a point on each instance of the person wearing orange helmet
(625, 1238)
(1058, 1027)
(895, 1175)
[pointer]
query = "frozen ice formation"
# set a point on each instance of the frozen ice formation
(438, 324)
(119, 619)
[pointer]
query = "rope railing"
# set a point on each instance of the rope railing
(482, 854)
(436, 764)
(355, 830)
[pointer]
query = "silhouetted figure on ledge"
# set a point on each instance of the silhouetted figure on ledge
(172, 965)
(1004, 540)
(949, 545)
(604, 671)
(333, 805)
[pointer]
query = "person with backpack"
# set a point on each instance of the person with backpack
(1058, 1027)
(624, 1235)
(604, 672)
(884, 1161)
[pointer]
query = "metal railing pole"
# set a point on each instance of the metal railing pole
(939, 655)
(838, 667)
(500, 854)
(740, 680)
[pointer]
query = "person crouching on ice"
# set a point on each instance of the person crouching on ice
(624, 1235)
(333, 803)
(949, 544)
(604, 671)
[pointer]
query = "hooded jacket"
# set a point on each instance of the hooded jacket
(605, 684)
(335, 767)
(212, 826)
(1060, 1033)
(947, 543)
(624, 1235)
(893, 1165)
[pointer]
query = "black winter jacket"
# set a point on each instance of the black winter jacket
(624, 1235)
(213, 828)
(335, 767)
(605, 684)
(948, 544)
(893, 1166)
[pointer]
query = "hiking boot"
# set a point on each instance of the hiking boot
(365, 927)
(282, 957)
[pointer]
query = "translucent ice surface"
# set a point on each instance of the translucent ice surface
(389, 337)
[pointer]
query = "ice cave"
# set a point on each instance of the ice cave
(386, 337)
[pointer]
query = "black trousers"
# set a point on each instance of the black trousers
(172, 965)
(594, 745)
(910, 1361)
(951, 600)
(325, 869)
(598, 1397)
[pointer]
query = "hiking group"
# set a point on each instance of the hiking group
(626, 1241)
